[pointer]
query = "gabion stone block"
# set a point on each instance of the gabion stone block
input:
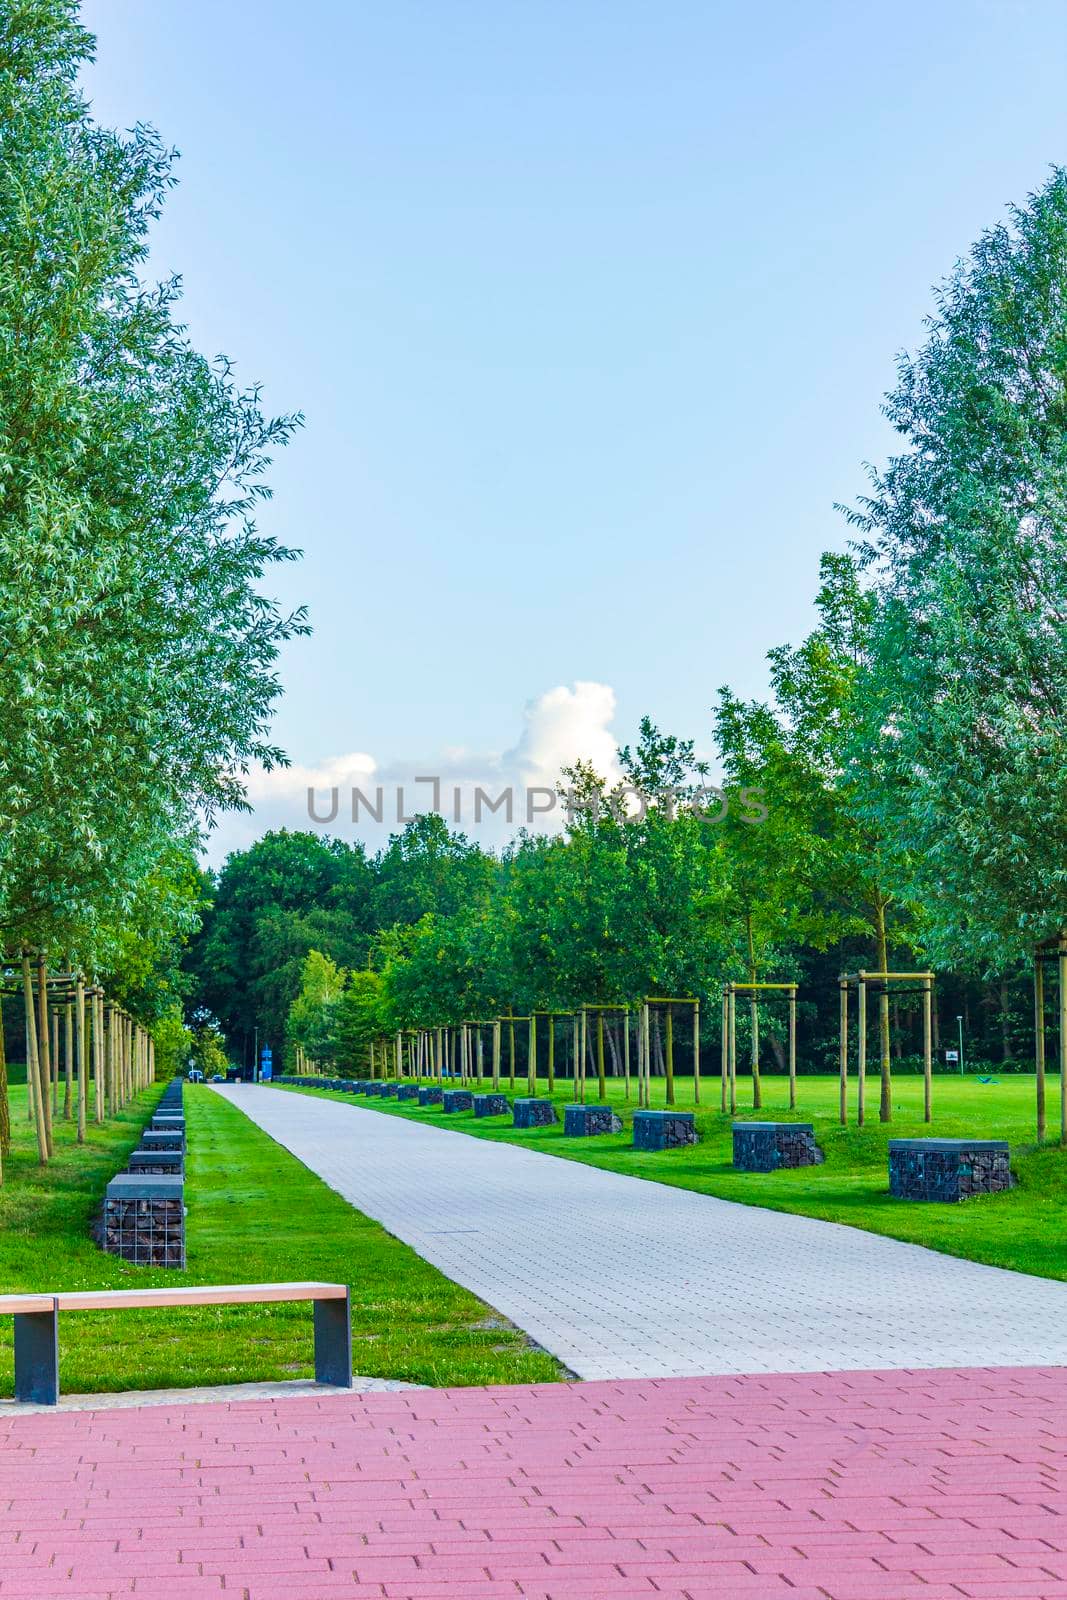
(491, 1105)
(144, 1220)
(152, 1140)
(156, 1161)
(948, 1169)
(390, 1088)
(375, 1088)
(531, 1113)
(663, 1130)
(171, 1125)
(580, 1122)
(457, 1100)
(766, 1146)
(430, 1094)
(407, 1091)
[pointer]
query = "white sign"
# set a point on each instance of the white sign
(952, 1055)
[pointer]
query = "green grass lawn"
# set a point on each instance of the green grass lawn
(1025, 1229)
(255, 1215)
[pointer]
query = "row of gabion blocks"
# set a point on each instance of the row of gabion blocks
(653, 1130)
(919, 1169)
(144, 1207)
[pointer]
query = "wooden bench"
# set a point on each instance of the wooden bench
(37, 1325)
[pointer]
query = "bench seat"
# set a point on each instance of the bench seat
(36, 1319)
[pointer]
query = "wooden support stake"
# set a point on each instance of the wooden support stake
(733, 1049)
(928, 1053)
(843, 1096)
(1063, 1044)
(696, 1052)
(581, 1067)
(79, 1025)
(1039, 1044)
(626, 1054)
(861, 1043)
(792, 1049)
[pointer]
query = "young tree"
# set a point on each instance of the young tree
(821, 867)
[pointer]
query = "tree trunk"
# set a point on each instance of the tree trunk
(1005, 1023)
(657, 1037)
(670, 1057)
(613, 1048)
(33, 1073)
(777, 1051)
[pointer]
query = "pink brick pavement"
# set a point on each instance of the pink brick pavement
(840, 1486)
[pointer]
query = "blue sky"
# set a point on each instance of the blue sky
(590, 307)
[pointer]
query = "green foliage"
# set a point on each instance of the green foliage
(966, 533)
(138, 654)
(207, 1047)
(310, 1022)
(428, 868)
(173, 1043)
(288, 894)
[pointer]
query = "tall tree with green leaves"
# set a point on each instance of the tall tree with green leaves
(137, 653)
(965, 531)
(822, 867)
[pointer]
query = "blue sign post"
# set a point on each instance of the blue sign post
(266, 1065)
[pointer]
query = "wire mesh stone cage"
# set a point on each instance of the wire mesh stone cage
(144, 1220)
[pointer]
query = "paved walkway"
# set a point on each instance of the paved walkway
(872, 1486)
(621, 1278)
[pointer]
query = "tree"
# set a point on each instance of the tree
(290, 892)
(425, 868)
(136, 651)
(822, 867)
(966, 533)
(311, 1015)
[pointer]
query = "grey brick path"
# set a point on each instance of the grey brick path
(621, 1278)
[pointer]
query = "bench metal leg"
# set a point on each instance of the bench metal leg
(333, 1342)
(37, 1357)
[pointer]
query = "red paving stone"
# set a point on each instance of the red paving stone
(842, 1486)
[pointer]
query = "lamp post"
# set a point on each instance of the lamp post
(959, 1021)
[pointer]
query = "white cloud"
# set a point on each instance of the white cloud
(560, 727)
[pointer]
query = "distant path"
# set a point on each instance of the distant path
(622, 1278)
